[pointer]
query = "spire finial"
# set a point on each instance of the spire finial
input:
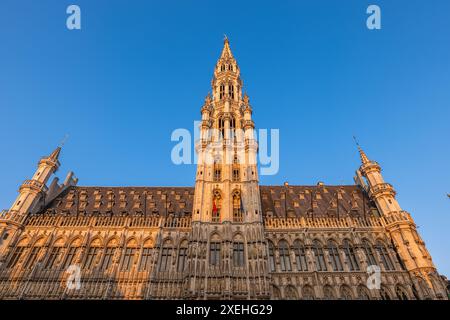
(356, 141)
(225, 38)
(63, 141)
(55, 154)
(363, 156)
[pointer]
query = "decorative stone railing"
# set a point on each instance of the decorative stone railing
(51, 220)
(381, 187)
(8, 215)
(344, 222)
(34, 184)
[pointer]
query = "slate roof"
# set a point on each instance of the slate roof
(277, 201)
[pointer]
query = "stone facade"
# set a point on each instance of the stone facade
(226, 238)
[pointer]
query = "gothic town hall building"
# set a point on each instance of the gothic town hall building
(225, 238)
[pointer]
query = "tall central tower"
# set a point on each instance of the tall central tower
(229, 249)
(226, 188)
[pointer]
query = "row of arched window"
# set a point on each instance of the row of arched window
(231, 91)
(215, 253)
(236, 172)
(343, 293)
(97, 256)
(232, 128)
(335, 256)
(225, 67)
(101, 257)
(238, 214)
(167, 256)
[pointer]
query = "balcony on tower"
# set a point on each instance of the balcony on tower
(33, 185)
(382, 188)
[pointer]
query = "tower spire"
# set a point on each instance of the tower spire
(55, 154)
(363, 156)
(226, 83)
(226, 51)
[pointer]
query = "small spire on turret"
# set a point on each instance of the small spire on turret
(55, 154)
(208, 99)
(246, 99)
(363, 156)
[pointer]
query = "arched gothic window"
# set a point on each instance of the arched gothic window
(129, 256)
(236, 173)
(72, 252)
(16, 254)
(423, 288)
(328, 293)
(182, 256)
(216, 206)
(231, 91)
(238, 252)
(300, 256)
(221, 126)
(367, 247)
(166, 256)
(291, 293)
(271, 256)
(318, 254)
(352, 262)
(146, 257)
(335, 259)
(55, 252)
(415, 292)
(401, 293)
(285, 260)
(307, 293)
(276, 294)
(217, 171)
(232, 127)
(32, 257)
(237, 207)
(108, 256)
(363, 293)
(214, 252)
(91, 257)
(384, 256)
(221, 91)
(384, 294)
(346, 293)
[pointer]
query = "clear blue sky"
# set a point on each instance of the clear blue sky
(139, 69)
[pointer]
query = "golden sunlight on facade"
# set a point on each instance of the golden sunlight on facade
(225, 238)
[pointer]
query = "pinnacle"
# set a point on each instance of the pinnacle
(364, 158)
(226, 51)
(55, 154)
